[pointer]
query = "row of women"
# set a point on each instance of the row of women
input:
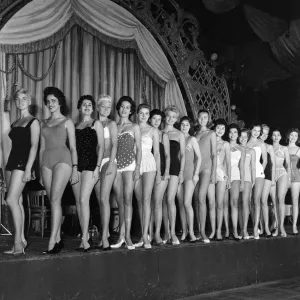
(156, 165)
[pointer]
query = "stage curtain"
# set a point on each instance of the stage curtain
(41, 24)
(220, 6)
(267, 27)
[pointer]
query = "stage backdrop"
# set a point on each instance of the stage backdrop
(108, 51)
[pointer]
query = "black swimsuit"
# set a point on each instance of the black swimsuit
(268, 168)
(175, 162)
(21, 144)
(86, 146)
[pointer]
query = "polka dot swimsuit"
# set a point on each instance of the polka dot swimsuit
(125, 152)
(86, 145)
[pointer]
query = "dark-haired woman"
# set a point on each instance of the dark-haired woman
(177, 154)
(237, 154)
(58, 163)
(269, 182)
(293, 138)
(249, 179)
(149, 171)
(89, 137)
(108, 168)
(191, 178)
(260, 152)
(208, 146)
(129, 156)
(156, 118)
(223, 174)
(24, 134)
(282, 178)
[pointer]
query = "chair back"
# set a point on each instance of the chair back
(36, 199)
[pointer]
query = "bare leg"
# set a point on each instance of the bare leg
(246, 198)
(158, 196)
(212, 208)
(138, 191)
(76, 191)
(225, 213)
(295, 190)
(258, 187)
(264, 203)
(165, 217)
(182, 213)
(171, 193)
(282, 185)
(273, 194)
(234, 197)
(220, 194)
(203, 188)
(196, 208)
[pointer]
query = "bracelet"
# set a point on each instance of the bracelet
(138, 164)
(111, 162)
(98, 166)
(74, 166)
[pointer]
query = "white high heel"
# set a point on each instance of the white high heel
(129, 247)
(139, 244)
(118, 245)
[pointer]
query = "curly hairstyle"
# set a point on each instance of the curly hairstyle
(172, 108)
(132, 105)
(234, 126)
(290, 131)
(186, 118)
(143, 105)
(22, 91)
(86, 97)
(220, 122)
(56, 92)
(158, 112)
(256, 124)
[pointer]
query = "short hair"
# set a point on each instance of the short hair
(127, 99)
(143, 105)
(220, 122)
(22, 91)
(204, 110)
(247, 130)
(186, 118)
(56, 92)
(278, 129)
(265, 126)
(103, 97)
(290, 131)
(86, 97)
(158, 112)
(234, 126)
(256, 124)
(172, 108)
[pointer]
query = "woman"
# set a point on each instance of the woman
(149, 171)
(208, 146)
(128, 163)
(108, 168)
(260, 151)
(282, 178)
(223, 176)
(190, 179)
(249, 179)
(293, 138)
(156, 118)
(58, 163)
(24, 135)
(177, 154)
(89, 137)
(237, 155)
(269, 182)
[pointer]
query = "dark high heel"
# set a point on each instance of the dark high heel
(106, 248)
(54, 250)
(87, 249)
(60, 245)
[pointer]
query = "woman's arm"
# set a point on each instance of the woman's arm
(228, 163)
(242, 167)
(138, 153)
(253, 166)
(213, 142)
(42, 149)
(197, 152)
(272, 157)
(166, 143)
(182, 156)
(113, 131)
(156, 154)
(35, 135)
(100, 139)
(264, 155)
(72, 144)
(288, 163)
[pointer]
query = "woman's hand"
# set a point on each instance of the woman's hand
(166, 176)
(109, 169)
(27, 175)
(195, 179)
(96, 173)
(289, 183)
(228, 184)
(74, 177)
(157, 179)
(213, 178)
(136, 173)
(181, 179)
(242, 186)
(273, 183)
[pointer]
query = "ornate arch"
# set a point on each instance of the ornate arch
(177, 32)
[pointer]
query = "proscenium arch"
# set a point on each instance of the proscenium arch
(176, 32)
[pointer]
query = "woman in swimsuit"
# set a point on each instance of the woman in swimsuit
(129, 164)
(223, 172)
(149, 171)
(177, 154)
(260, 151)
(156, 118)
(237, 154)
(108, 167)
(208, 146)
(269, 182)
(58, 163)
(24, 134)
(292, 139)
(89, 137)
(282, 178)
(191, 178)
(249, 180)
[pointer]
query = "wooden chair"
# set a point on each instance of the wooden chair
(37, 209)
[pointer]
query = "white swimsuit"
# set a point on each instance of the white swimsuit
(235, 159)
(148, 163)
(259, 168)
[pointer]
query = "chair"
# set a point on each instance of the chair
(37, 209)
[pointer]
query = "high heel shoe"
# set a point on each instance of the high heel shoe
(147, 246)
(176, 242)
(15, 252)
(129, 247)
(54, 250)
(139, 244)
(118, 245)
(60, 245)
(106, 248)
